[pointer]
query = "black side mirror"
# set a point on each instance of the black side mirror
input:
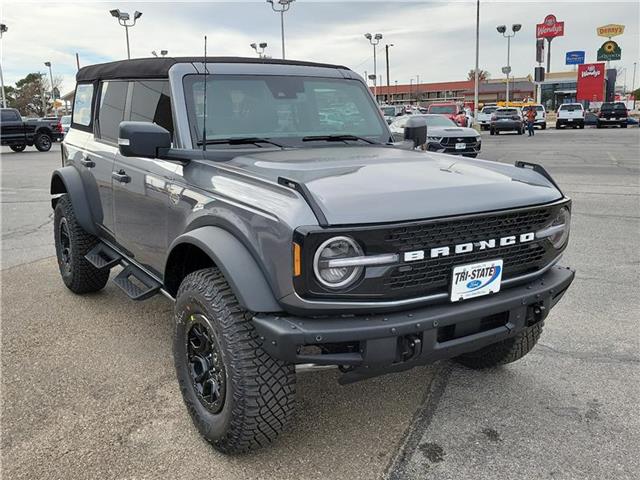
(142, 139)
(416, 130)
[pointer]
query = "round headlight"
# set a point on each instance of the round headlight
(560, 236)
(337, 248)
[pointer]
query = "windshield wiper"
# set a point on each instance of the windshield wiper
(337, 138)
(241, 141)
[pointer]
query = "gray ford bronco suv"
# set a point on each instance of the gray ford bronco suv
(267, 200)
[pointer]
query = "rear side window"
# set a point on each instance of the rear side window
(82, 105)
(151, 102)
(9, 116)
(113, 96)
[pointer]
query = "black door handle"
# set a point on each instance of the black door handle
(121, 176)
(87, 162)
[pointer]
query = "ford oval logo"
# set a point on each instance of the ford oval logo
(474, 284)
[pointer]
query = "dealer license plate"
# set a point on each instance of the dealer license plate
(476, 279)
(461, 146)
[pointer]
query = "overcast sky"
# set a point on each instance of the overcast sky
(433, 39)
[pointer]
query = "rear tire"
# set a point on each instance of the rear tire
(43, 142)
(624, 125)
(72, 244)
(506, 351)
(492, 132)
(598, 125)
(239, 397)
(18, 148)
(558, 126)
(543, 126)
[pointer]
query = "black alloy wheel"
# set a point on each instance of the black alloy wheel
(206, 367)
(65, 247)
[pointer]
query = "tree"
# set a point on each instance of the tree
(483, 75)
(32, 94)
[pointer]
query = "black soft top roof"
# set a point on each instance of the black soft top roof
(159, 67)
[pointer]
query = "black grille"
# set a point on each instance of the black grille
(451, 141)
(433, 276)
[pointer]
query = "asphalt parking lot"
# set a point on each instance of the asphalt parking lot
(88, 388)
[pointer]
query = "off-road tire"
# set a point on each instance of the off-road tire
(78, 275)
(506, 351)
(43, 142)
(259, 395)
(18, 148)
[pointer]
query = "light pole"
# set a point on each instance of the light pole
(410, 90)
(633, 85)
(259, 48)
(395, 91)
(3, 29)
(123, 18)
(48, 64)
(284, 5)
(476, 73)
(374, 40)
(503, 30)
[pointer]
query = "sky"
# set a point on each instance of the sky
(432, 39)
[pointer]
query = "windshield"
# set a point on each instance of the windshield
(443, 109)
(489, 109)
(506, 111)
(438, 121)
(389, 111)
(281, 108)
(571, 107)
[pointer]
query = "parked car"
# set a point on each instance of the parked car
(451, 110)
(282, 241)
(506, 119)
(613, 113)
(390, 112)
(570, 114)
(18, 133)
(541, 115)
(443, 135)
(65, 121)
(484, 116)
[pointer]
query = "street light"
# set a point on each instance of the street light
(3, 30)
(123, 17)
(48, 64)
(503, 30)
(259, 48)
(281, 6)
(162, 53)
(374, 40)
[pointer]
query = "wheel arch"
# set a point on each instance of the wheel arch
(211, 246)
(67, 180)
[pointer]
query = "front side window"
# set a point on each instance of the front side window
(151, 102)
(10, 116)
(82, 105)
(281, 107)
(113, 97)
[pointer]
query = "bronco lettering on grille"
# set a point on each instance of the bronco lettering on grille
(461, 248)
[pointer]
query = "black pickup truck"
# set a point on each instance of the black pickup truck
(613, 113)
(18, 133)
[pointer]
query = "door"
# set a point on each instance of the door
(11, 127)
(141, 185)
(101, 149)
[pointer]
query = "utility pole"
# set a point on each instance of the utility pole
(386, 48)
(3, 29)
(48, 64)
(633, 84)
(476, 75)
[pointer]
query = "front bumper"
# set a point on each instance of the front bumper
(471, 148)
(376, 344)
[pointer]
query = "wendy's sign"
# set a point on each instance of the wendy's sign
(550, 28)
(590, 82)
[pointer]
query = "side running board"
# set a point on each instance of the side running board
(136, 283)
(132, 280)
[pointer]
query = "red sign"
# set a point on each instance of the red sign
(590, 82)
(550, 28)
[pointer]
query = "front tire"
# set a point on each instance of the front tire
(18, 148)
(239, 397)
(543, 126)
(492, 132)
(72, 244)
(501, 353)
(42, 142)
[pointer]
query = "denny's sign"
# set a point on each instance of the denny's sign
(610, 30)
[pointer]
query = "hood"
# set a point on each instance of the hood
(377, 184)
(452, 132)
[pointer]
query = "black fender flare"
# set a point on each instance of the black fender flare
(240, 269)
(68, 180)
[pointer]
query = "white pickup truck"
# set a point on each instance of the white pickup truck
(570, 114)
(484, 116)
